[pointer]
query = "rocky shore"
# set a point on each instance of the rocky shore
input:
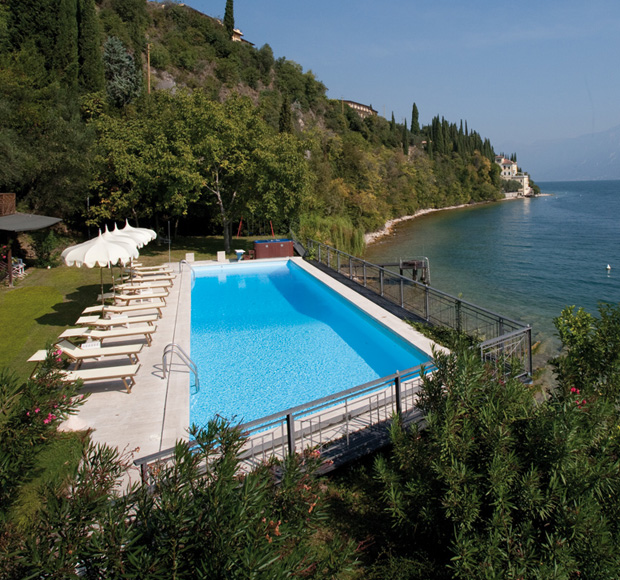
(387, 228)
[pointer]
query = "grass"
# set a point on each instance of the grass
(45, 302)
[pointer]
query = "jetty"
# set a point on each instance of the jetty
(420, 268)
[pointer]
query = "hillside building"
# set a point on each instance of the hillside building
(510, 172)
(362, 110)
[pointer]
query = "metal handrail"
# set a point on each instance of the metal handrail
(181, 262)
(293, 415)
(173, 348)
(430, 304)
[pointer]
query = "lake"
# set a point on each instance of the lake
(525, 258)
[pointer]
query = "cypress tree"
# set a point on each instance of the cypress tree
(229, 18)
(405, 139)
(393, 124)
(65, 58)
(89, 47)
(415, 121)
(286, 120)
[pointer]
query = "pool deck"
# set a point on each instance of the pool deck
(155, 415)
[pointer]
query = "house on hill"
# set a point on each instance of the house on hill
(362, 110)
(510, 172)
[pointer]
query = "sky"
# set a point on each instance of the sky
(517, 72)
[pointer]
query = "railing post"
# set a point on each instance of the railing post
(350, 268)
(381, 280)
(402, 293)
(320, 253)
(338, 262)
(329, 265)
(398, 394)
(427, 303)
(364, 268)
(144, 472)
(290, 433)
(529, 349)
(458, 316)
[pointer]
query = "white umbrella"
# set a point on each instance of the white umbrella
(99, 252)
(145, 231)
(116, 236)
(140, 237)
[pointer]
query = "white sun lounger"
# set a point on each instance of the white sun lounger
(116, 320)
(125, 372)
(97, 334)
(78, 354)
(147, 279)
(138, 284)
(124, 309)
(145, 294)
(151, 269)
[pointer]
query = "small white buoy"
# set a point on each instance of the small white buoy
(608, 267)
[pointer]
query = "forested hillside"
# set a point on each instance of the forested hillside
(218, 132)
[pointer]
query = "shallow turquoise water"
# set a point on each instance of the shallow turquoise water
(267, 337)
(526, 258)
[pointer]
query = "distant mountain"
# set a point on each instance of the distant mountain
(590, 157)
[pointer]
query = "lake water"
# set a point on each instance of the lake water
(525, 258)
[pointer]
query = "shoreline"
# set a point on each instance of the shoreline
(372, 237)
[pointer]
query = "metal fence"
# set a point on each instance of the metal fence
(338, 424)
(356, 421)
(498, 335)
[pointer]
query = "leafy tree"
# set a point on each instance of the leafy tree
(229, 18)
(123, 79)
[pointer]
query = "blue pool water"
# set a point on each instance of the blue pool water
(269, 336)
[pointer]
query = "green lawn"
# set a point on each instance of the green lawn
(45, 302)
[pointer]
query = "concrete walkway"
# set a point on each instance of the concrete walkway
(156, 412)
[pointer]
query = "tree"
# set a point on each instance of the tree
(415, 122)
(145, 166)
(123, 78)
(286, 119)
(65, 56)
(229, 18)
(405, 139)
(91, 77)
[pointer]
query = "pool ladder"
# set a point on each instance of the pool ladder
(174, 348)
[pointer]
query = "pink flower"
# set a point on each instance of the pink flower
(37, 410)
(28, 414)
(46, 421)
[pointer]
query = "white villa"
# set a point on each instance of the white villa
(510, 172)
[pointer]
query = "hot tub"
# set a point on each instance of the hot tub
(273, 249)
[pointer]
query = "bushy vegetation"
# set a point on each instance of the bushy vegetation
(65, 512)
(78, 120)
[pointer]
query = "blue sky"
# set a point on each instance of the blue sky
(517, 72)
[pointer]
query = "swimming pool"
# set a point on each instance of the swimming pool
(269, 336)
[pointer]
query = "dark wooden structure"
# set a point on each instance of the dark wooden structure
(420, 270)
